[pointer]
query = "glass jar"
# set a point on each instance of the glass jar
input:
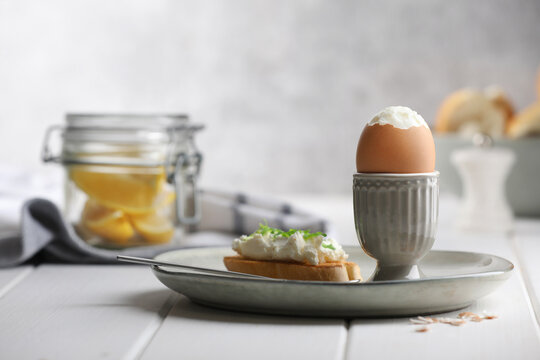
(131, 180)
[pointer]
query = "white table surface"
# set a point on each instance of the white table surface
(123, 312)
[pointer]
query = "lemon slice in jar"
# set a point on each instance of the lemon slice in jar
(165, 198)
(133, 190)
(154, 228)
(112, 225)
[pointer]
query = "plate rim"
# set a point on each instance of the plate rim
(507, 270)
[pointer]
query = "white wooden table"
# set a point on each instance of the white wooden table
(123, 312)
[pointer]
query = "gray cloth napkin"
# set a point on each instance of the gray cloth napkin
(224, 216)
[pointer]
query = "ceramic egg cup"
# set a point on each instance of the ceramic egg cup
(396, 220)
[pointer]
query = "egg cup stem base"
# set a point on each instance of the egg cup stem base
(396, 272)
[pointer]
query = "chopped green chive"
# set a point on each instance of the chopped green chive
(264, 229)
(328, 246)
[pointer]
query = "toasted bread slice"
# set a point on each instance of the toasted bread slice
(333, 271)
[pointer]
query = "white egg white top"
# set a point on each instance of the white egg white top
(316, 250)
(400, 117)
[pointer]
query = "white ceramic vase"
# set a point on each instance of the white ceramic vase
(483, 173)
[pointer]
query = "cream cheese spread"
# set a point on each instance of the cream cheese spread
(295, 245)
(400, 117)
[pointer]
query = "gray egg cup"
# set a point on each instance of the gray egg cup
(396, 218)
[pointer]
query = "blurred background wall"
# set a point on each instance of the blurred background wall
(283, 86)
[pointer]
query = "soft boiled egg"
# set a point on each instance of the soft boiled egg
(396, 140)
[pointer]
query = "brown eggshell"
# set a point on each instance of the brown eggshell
(387, 149)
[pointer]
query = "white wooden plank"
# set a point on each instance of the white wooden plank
(10, 277)
(513, 335)
(81, 312)
(196, 332)
(527, 243)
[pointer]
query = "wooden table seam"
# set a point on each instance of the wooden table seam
(146, 337)
(345, 346)
(526, 283)
(16, 281)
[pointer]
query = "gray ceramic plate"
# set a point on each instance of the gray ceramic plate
(453, 281)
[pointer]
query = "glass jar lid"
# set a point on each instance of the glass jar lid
(127, 128)
(120, 139)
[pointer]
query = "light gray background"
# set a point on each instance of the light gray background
(283, 86)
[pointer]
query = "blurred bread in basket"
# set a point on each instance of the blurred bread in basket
(490, 111)
(526, 123)
(468, 111)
